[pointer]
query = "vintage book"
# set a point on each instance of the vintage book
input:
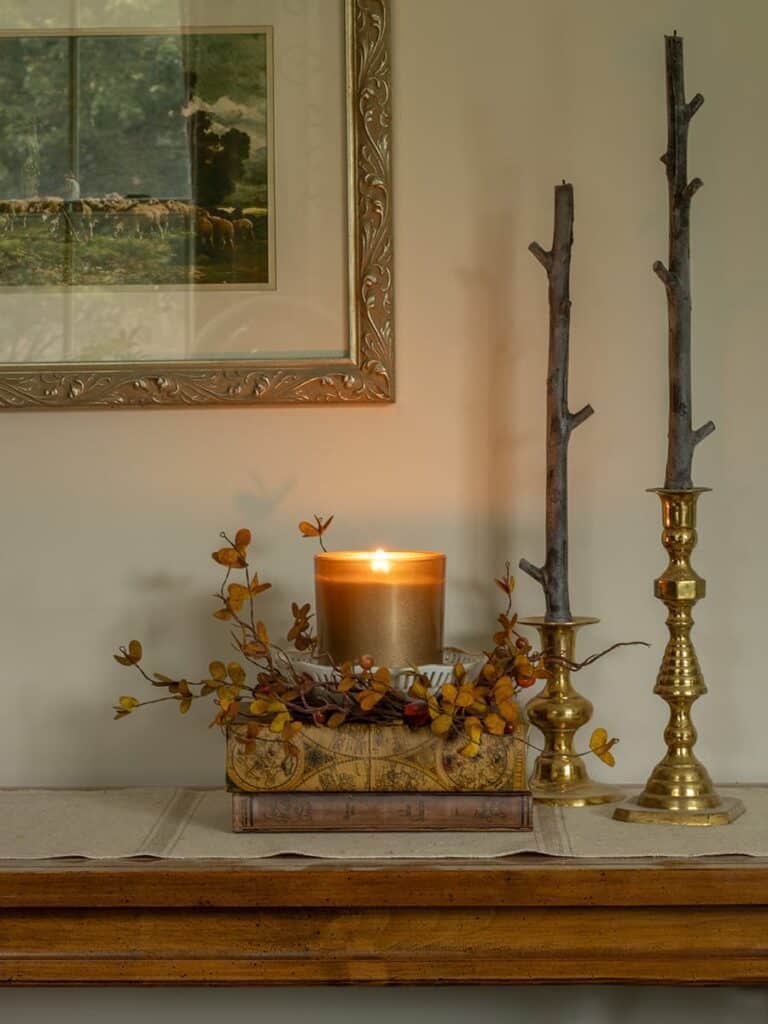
(381, 812)
(373, 758)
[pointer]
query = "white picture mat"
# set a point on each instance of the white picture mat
(306, 313)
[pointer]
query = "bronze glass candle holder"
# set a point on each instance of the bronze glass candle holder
(679, 790)
(559, 774)
(389, 605)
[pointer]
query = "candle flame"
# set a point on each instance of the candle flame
(380, 562)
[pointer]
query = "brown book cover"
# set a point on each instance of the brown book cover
(382, 812)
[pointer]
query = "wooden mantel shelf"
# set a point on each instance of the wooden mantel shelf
(294, 921)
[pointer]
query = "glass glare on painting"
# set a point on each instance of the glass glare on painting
(136, 159)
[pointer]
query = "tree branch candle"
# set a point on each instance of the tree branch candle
(389, 605)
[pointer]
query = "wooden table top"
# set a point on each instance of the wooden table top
(289, 920)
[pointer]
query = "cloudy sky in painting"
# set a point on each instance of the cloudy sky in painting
(227, 113)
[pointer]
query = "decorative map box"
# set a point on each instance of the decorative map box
(374, 758)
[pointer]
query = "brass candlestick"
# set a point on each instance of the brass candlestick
(679, 790)
(559, 775)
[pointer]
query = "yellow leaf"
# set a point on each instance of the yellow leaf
(382, 675)
(507, 584)
(128, 703)
(495, 724)
(369, 699)
(600, 745)
(261, 632)
(523, 666)
(242, 540)
(459, 671)
(308, 530)
(229, 557)
(254, 649)
(606, 757)
(279, 722)
(442, 725)
(237, 596)
(223, 613)
(465, 697)
(336, 719)
(218, 671)
(258, 588)
(259, 706)
(449, 693)
(471, 749)
(346, 684)
(504, 688)
(418, 690)
(473, 728)
(598, 739)
(509, 710)
(185, 705)
(236, 673)
(134, 650)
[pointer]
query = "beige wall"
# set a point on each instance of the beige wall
(109, 517)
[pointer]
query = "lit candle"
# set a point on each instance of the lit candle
(388, 605)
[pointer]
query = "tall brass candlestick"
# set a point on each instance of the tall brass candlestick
(679, 790)
(388, 605)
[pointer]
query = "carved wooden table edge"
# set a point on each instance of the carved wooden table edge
(299, 921)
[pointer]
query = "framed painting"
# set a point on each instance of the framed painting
(195, 210)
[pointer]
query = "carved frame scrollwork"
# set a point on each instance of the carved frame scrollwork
(366, 375)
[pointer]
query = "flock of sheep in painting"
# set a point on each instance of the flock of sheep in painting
(118, 216)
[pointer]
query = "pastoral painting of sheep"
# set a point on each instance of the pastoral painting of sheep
(136, 159)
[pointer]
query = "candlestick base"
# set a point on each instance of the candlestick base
(728, 809)
(679, 790)
(577, 794)
(559, 774)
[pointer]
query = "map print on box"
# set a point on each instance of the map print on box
(365, 758)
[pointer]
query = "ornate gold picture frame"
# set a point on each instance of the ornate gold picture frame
(365, 370)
